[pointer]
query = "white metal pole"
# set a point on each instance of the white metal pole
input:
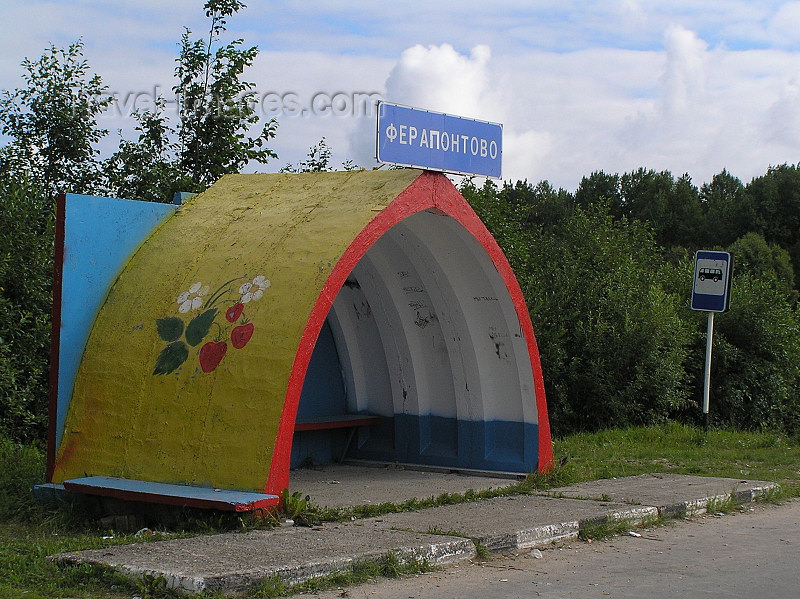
(707, 383)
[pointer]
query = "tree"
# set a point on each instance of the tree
(768, 262)
(644, 193)
(216, 111)
(671, 208)
(728, 210)
(614, 347)
(756, 367)
(52, 121)
(776, 201)
(318, 160)
(147, 169)
(216, 107)
(683, 218)
(600, 188)
(538, 205)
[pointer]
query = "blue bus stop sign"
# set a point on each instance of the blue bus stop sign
(438, 142)
(711, 291)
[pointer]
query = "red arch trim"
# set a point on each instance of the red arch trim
(429, 190)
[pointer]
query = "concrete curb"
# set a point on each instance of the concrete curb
(181, 573)
(449, 550)
(700, 506)
(549, 534)
(234, 562)
(533, 537)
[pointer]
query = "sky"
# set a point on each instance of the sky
(579, 86)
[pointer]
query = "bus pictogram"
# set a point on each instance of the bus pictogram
(710, 273)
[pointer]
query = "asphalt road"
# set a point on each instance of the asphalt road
(749, 554)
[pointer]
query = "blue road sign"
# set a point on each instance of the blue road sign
(440, 142)
(711, 291)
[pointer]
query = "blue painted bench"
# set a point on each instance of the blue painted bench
(166, 494)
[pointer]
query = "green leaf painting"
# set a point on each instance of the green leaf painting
(171, 358)
(199, 326)
(169, 329)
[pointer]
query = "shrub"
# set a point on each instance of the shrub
(756, 358)
(613, 343)
(26, 272)
(21, 467)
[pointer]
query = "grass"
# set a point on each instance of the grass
(677, 449)
(29, 532)
(606, 528)
(723, 505)
(390, 566)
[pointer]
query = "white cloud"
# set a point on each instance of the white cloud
(785, 25)
(781, 124)
(523, 153)
(441, 79)
(684, 78)
(437, 78)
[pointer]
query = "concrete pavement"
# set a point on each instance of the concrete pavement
(441, 535)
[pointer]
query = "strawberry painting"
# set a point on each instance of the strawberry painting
(234, 312)
(241, 335)
(211, 355)
(181, 337)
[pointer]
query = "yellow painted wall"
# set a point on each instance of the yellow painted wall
(217, 428)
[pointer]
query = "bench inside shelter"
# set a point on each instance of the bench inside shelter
(347, 422)
(327, 420)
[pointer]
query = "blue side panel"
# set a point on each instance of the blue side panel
(323, 388)
(323, 395)
(100, 235)
(436, 441)
(315, 448)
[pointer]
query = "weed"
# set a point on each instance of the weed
(22, 468)
(481, 551)
(449, 499)
(293, 504)
(274, 586)
(777, 494)
(603, 529)
(723, 504)
(410, 566)
(258, 521)
(154, 587)
(300, 509)
(612, 526)
(434, 530)
(391, 567)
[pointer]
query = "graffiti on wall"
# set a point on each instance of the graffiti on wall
(235, 327)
